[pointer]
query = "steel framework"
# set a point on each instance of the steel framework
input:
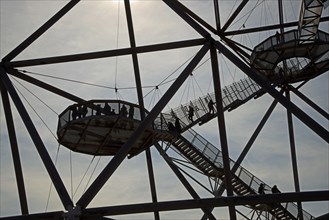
(208, 43)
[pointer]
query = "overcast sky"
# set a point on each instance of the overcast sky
(100, 25)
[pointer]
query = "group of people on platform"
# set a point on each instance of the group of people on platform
(81, 111)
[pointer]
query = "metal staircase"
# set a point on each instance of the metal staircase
(233, 95)
(309, 19)
(208, 159)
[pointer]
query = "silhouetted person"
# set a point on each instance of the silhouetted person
(190, 113)
(171, 127)
(261, 189)
(275, 189)
(98, 110)
(178, 126)
(123, 111)
(84, 111)
(112, 112)
(131, 112)
(79, 111)
(277, 36)
(74, 112)
(107, 109)
(211, 107)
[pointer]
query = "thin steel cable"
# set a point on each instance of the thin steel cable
(91, 175)
(248, 14)
(35, 111)
(71, 174)
(51, 183)
(116, 58)
(48, 106)
(84, 175)
(68, 80)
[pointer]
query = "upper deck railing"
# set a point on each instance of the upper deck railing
(100, 107)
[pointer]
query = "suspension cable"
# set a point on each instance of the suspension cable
(116, 58)
(35, 111)
(37, 97)
(84, 175)
(248, 13)
(71, 174)
(91, 175)
(51, 183)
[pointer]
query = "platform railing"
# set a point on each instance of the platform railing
(99, 107)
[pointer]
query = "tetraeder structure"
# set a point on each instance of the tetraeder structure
(276, 59)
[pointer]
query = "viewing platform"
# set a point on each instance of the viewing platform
(101, 127)
(267, 57)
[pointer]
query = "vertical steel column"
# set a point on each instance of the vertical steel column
(293, 156)
(217, 15)
(40, 31)
(290, 123)
(14, 150)
(281, 16)
(134, 56)
(122, 153)
(183, 180)
(222, 129)
(51, 169)
(141, 101)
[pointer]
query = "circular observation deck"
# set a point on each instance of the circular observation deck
(101, 127)
(304, 59)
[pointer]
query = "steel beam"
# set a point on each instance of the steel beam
(293, 155)
(140, 101)
(205, 203)
(217, 15)
(40, 31)
(50, 167)
(251, 141)
(254, 75)
(93, 213)
(175, 6)
(309, 102)
(44, 85)
(134, 56)
(14, 150)
(152, 180)
(195, 17)
(183, 180)
(37, 216)
(122, 153)
(105, 54)
(222, 128)
(267, 28)
(233, 16)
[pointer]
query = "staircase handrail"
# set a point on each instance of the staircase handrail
(214, 155)
(232, 96)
